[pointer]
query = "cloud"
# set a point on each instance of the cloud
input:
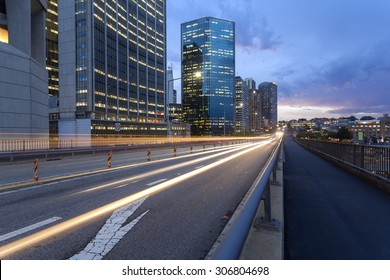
(252, 29)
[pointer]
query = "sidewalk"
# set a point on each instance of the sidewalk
(330, 213)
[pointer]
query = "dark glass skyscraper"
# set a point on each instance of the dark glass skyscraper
(208, 73)
(269, 105)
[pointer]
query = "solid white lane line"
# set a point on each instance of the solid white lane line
(156, 182)
(28, 228)
(111, 233)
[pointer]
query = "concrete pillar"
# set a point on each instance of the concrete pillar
(38, 36)
(67, 58)
(19, 24)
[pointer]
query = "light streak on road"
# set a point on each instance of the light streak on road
(17, 187)
(165, 169)
(94, 214)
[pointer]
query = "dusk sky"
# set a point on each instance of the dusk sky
(329, 58)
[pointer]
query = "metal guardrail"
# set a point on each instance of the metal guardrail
(231, 241)
(375, 159)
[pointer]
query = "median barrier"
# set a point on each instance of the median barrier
(232, 239)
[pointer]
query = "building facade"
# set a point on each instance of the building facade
(171, 92)
(366, 131)
(269, 105)
(112, 57)
(254, 111)
(208, 73)
(241, 104)
(385, 128)
(251, 84)
(23, 77)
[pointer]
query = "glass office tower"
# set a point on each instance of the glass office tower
(269, 105)
(241, 117)
(208, 73)
(112, 67)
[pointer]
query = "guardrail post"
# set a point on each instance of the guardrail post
(266, 221)
(109, 158)
(36, 170)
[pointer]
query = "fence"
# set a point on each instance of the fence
(10, 145)
(375, 159)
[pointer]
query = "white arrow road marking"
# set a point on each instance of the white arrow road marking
(29, 228)
(111, 233)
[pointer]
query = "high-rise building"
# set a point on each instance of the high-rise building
(254, 111)
(208, 72)
(23, 77)
(250, 83)
(52, 64)
(241, 113)
(269, 105)
(52, 46)
(171, 97)
(112, 61)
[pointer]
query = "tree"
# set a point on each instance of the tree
(343, 133)
(367, 118)
(352, 118)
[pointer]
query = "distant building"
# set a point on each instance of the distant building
(366, 131)
(251, 84)
(112, 64)
(241, 104)
(254, 108)
(385, 128)
(175, 112)
(208, 72)
(269, 105)
(171, 97)
(23, 77)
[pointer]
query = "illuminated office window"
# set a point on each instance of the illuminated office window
(3, 35)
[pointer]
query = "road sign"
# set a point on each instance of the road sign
(117, 127)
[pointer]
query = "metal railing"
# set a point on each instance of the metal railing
(375, 159)
(232, 239)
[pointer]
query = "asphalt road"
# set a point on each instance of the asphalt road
(330, 213)
(172, 208)
(23, 171)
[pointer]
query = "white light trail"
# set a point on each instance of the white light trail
(89, 216)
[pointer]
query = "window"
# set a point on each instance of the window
(3, 35)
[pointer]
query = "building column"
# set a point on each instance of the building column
(38, 38)
(19, 25)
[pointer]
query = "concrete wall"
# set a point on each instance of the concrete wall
(23, 77)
